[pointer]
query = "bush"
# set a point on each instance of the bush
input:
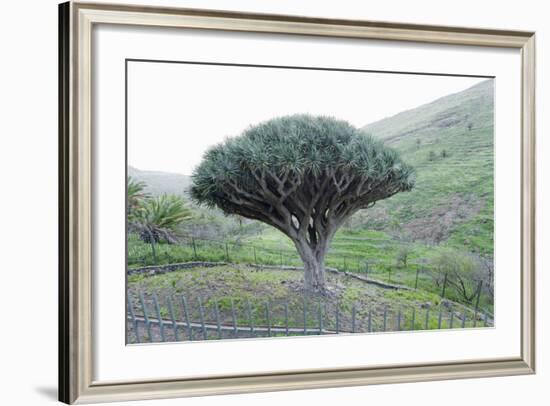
(402, 256)
(464, 272)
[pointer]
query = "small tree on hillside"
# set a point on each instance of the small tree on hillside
(402, 256)
(303, 175)
(463, 270)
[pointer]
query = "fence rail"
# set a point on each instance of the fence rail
(176, 318)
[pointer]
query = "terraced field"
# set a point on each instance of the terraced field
(450, 143)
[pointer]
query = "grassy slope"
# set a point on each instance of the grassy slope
(348, 252)
(243, 285)
(453, 197)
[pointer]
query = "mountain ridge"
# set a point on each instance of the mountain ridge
(159, 182)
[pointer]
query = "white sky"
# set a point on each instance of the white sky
(177, 111)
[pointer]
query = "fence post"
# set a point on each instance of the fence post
(389, 274)
(145, 316)
(161, 324)
(133, 316)
(226, 253)
(399, 320)
(345, 264)
(305, 315)
(485, 320)
(217, 314)
(320, 318)
(234, 318)
(353, 311)
(479, 285)
(281, 255)
(337, 317)
(451, 318)
(268, 318)
(250, 321)
(255, 259)
(194, 248)
(413, 317)
(444, 286)
(440, 316)
(385, 317)
(286, 318)
(173, 317)
(463, 319)
(201, 314)
(427, 322)
(186, 314)
(369, 326)
(366, 270)
(416, 279)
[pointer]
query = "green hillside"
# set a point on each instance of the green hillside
(158, 182)
(450, 143)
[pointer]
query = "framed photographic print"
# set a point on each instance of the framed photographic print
(264, 202)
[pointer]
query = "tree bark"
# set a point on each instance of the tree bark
(152, 241)
(314, 265)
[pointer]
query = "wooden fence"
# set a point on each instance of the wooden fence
(176, 318)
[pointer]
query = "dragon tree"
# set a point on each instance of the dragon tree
(304, 175)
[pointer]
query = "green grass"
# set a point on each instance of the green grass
(242, 288)
(349, 252)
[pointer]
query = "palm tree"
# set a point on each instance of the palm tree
(155, 219)
(160, 216)
(136, 196)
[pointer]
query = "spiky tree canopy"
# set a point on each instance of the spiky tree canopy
(302, 174)
(299, 165)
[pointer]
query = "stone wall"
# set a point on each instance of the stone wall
(160, 269)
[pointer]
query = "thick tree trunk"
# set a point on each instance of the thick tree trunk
(314, 266)
(314, 275)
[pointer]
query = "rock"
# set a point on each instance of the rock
(446, 303)
(426, 305)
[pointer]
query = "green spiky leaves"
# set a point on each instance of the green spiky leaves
(296, 158)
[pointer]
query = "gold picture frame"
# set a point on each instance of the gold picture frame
(75, 209)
